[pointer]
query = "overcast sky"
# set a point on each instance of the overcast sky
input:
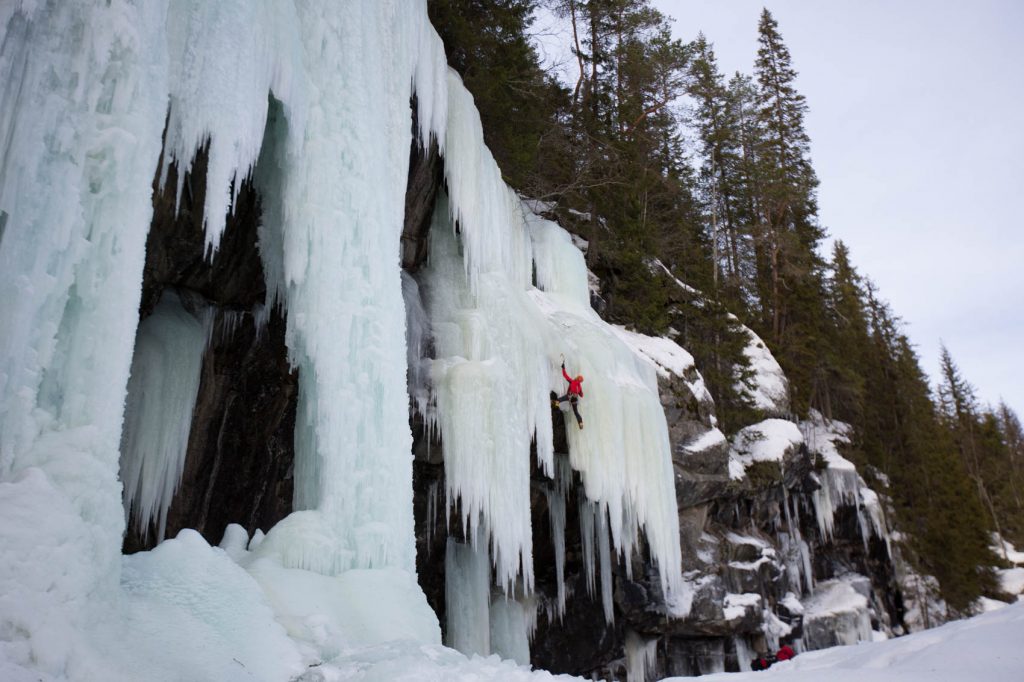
(917, 135)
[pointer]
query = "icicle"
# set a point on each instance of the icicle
(641, 657)
(604, 551)
(162, 393)
(228, 324)
(587, 513)
(417, 334)
(556, 510)
(333, 185)
(260, 319)
(432, 500)
(243, 48)
(744, 654)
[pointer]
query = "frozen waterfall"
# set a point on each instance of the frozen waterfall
(312, 102)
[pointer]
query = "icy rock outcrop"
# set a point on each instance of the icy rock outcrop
(764, 449)
(837, 613)
(749, 520)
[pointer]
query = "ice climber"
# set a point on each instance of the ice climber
(573, 395)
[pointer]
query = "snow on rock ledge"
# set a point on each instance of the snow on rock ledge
(773, 440)
(764, 384)
(840, 483)
(767, 388)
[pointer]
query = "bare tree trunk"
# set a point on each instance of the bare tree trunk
(964, 417)
(776, 303)
(714, 231)
(579, 53)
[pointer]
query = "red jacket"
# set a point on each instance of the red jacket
(575, 385)
(785, 653)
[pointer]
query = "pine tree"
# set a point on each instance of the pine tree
(790, 279)
(960, 411)
(716, 120)
(901, 434)
(629, 139)
(1013, 437)
(487, 42)
(841, 384)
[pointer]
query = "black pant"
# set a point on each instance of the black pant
(573, 400)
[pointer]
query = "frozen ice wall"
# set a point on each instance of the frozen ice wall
(311, 100)
(315, 93)
(498, 339)
(333, 180)
(82, 105)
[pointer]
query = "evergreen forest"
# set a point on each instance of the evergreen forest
(672, 169)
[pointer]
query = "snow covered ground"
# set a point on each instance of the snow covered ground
(987, 647)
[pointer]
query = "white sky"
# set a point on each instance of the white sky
(918, 139)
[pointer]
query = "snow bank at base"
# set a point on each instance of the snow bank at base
(985, 647)
(188, 611)
(404, 661)
(185, 596)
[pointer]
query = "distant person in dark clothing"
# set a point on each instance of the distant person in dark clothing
(764, 662)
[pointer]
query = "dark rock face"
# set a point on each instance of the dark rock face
(425, 178)
(731, 534)
(239, 464)
(581, 639)
(238, 468)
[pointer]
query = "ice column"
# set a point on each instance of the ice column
(556, 510)
(335, 192)
(490, 381)
(641, 657)
(82, 105)
(467, 598)
(417, 339)
(511, 628)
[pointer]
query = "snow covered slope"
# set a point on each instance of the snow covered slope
(985, 647)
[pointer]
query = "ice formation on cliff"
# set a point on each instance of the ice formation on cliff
(312, 102)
